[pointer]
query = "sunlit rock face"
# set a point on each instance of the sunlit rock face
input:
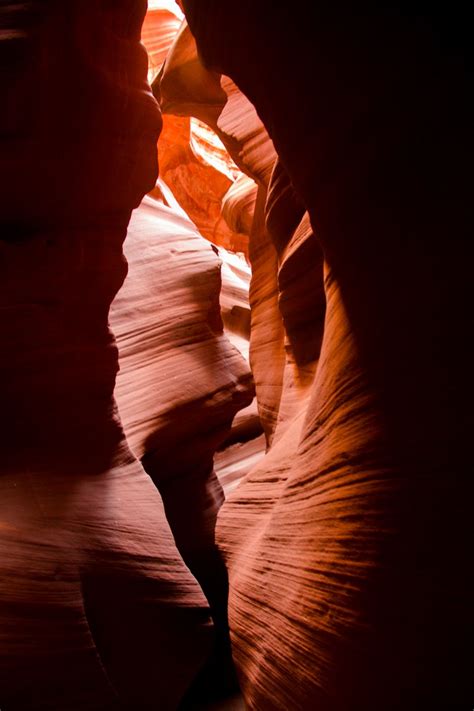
(348, 187)
(200, 180)
(97, 608)
(193, 162)
(283, 252)
(220, 199)
(181, 381)
(347, 545)
(160, 25)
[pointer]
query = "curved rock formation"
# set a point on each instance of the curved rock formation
(180, 384)
(193, 162)
(186, 87)
(198, 181)
(97, 608)
(347, 544)
(238, 204)
(181, 381)
(161, 23)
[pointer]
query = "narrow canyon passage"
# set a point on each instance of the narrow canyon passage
(235, 356)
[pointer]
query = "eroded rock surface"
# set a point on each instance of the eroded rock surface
(181, 381)
(283, 353)
(347, 544)
(97, 608)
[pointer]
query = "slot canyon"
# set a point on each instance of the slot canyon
(235, 356)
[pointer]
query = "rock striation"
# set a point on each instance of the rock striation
(346, 545)
(181, 381)
(344, 551)
(265, 206)
(97, 608)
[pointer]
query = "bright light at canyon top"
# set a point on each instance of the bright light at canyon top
(170, 5)
(162, 22)
(160, 26)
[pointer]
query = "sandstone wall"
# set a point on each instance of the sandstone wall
(347, 544)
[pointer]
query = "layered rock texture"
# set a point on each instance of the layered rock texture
(334, 155)
(262, 203)
(181, 380)
(347, 545)
(97, 608)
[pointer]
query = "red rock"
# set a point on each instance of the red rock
(198, 171)
(238, 205)
(186, 87)
(348, 544)
(180, 383)
(198, 186)
(337, 543)
(159, 28)
(97, 608)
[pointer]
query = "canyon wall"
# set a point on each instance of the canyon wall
(347, 545)
(347, 187)
(181, 382)
(97, 608)
(283, 252)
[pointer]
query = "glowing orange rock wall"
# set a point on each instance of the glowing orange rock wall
(160, 25)
(347, 545)
(193, 163)
(199, 186)
(282, 351)
(181, 381)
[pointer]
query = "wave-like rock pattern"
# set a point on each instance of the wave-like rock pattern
(197, 183)
(161, 23)
(347, 545)
(97, 608)
(181, 381)
(199, 174)
(282, 354)
(238, 204)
